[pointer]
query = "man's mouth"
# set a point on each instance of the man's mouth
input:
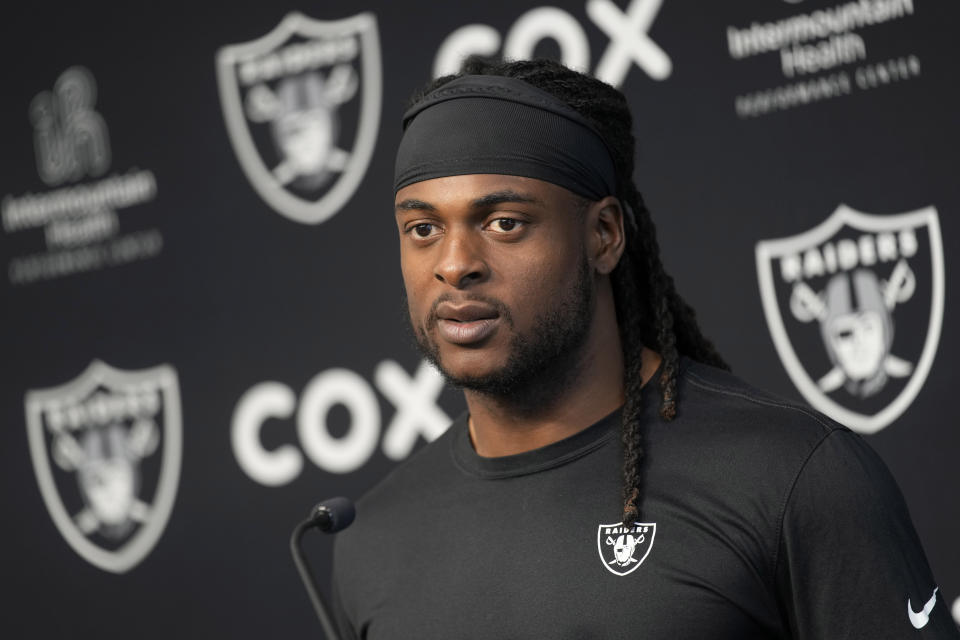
(466, 323)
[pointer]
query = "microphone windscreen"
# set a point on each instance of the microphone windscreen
(335, 514)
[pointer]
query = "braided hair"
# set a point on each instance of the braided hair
(649, 310)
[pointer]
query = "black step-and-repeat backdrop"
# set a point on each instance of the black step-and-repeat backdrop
(203, 330)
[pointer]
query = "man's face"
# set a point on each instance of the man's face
(499, 290)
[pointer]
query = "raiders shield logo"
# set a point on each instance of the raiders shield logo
(855, 308)
(106, 451)
(623, 549)
(302, 107)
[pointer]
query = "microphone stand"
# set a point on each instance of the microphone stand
(309, 581)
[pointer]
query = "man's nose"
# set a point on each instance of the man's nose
(461, 261)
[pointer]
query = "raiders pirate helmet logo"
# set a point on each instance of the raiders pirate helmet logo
(302, 107)
(855, 308)
(623, 549)
(106, 452)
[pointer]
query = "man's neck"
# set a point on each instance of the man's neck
(498, 428)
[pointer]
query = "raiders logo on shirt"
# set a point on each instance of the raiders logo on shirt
(623, 549)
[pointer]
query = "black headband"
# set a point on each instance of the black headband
(493, 124)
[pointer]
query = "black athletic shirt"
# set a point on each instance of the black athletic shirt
(761, 519)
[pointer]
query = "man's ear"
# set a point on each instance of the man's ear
(605, 236)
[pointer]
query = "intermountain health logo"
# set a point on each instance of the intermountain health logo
(302, 107)
(78, 212)
(855, 308)
(623, 549)
(106, 449)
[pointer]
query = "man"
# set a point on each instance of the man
(534, 282)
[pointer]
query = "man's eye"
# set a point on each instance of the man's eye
(505, 224)
(424, 229)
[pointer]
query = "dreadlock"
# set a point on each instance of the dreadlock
(649, 310)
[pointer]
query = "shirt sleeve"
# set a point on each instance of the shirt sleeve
(849, 562)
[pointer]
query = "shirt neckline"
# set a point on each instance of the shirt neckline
(536, 460)
(533, 461)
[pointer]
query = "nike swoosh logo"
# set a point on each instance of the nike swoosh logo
(919, 619)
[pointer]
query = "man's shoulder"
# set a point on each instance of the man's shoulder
(389, 518)
(741, 450)
(396, 498)
(760, 436)
(736, 404)
(422, 470)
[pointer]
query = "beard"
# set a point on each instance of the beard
(541, 365)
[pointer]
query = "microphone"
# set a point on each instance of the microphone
(330, 516)
(333, 515)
